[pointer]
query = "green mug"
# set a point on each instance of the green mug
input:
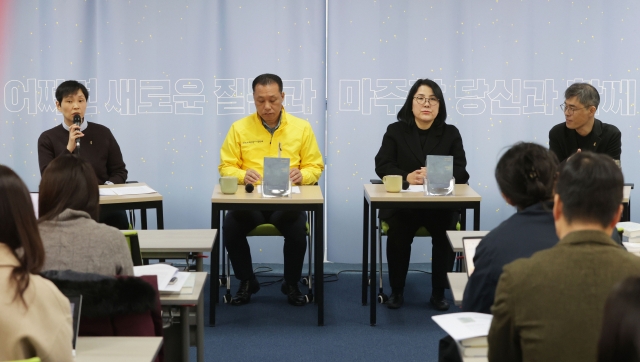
(228, 184)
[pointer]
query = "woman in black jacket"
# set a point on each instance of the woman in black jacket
(420, 131)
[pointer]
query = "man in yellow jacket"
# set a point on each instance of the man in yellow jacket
(249, 140)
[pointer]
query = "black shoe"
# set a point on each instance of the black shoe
(395, 301)
(243, 295)
(293, 293)
(439, 304)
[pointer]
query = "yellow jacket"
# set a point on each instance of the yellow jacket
(248, 142)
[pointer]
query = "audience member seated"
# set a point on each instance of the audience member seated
(526, 174)
(549, 307)
(72, 237)
(122, 306)
(620, 334)
(36, 318)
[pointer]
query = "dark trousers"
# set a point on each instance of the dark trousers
(116, 218)
(291, 224)
(402, 229)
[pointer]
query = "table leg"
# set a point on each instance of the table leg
(143, 219)
(476, 217)
(373, 277)
(214, 289)
(159, 217)
(365, 250)
(200, 327)
(318, 244)
(199, 262)
(184, 321)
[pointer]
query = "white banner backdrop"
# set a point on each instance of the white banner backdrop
(503, 67)
(169, 78)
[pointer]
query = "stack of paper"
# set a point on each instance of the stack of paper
(126, 190)
(166, 274)
(631, 231)
(469, 330)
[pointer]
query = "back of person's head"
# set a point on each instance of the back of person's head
(406, 112)
(19, 229)
(590, 188)
(70, 87)
(68, 182)
(620, 333)
(526, 174)
(586, 94)
(266, 79)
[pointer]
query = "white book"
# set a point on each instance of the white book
(465, 325)
(631, 229)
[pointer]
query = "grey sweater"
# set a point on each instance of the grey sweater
(75, 241)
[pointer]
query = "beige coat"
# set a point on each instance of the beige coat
(44, 328)
(549, 307)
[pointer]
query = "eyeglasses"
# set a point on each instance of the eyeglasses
(569, 109)
(432, 100)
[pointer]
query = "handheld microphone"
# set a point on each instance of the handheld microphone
(248, 188)
(405, 184)
(77, 120)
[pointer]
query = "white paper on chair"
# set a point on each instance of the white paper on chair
(294, 189)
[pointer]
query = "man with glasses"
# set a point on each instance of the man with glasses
(581, 131)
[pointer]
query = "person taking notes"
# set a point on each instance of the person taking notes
(271, 132)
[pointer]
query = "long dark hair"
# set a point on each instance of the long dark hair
(19, 229)
(68, 182)
(620, 333)
(406, 112)
(526, 174)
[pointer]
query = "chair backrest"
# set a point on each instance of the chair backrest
(134, 246)
(32, 359)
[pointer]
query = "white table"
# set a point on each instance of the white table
(376, 198)
(167, 244)
(140, 202)
(457, 282)
(121, 349)
(187, 298)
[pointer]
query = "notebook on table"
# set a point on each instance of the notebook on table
(469, 245)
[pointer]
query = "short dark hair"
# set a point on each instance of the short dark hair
(19, 229)
(68, 182)
(586, 93)
(526, 174)
(70, 87)
(266, 79)
(406, 112)
(590, 188)
(620, 333)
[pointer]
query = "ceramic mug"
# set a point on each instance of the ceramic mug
(392, 183)
(228, 184)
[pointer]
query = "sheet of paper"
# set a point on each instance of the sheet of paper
(133, 190)
(107, 192)
(414, 188)
(464, 325)
(294, 189)
(164, 272)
